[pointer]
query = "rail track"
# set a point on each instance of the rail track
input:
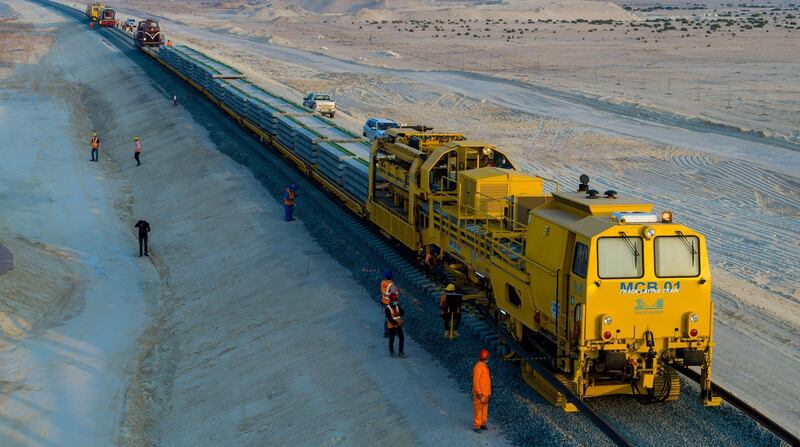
(608, 429)
(411, 272)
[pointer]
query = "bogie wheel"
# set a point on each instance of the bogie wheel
(515, 328)
(667, 385)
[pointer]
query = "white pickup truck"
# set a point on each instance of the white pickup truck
(323, 104)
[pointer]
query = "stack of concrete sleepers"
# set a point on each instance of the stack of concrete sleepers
(167, 54)
(305, 143)
(217, 88)
(216, 67)
(196, 66)
(355, 177)
(267, 117)
(335, 161)
(235, 100)
(327, 129)
(338, 154)
(268, 108)
(286, 129)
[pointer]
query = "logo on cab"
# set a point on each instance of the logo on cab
(641, 287)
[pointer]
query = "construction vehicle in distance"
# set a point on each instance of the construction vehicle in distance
(148, 34)
(93, 11)
(609, 292)
(108, 18)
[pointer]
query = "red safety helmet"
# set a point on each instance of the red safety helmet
(393, 297)
(484, 354)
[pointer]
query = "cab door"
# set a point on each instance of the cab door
(565, 307)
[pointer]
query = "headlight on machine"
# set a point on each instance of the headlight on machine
(690, 320)
(648, 232)
(607, 320)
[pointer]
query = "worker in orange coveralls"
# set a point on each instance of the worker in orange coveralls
(481, 391)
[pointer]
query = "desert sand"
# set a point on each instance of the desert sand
(215, 339)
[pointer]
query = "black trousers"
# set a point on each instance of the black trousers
(143, 243)
(136, 156)
(456, 320)
(396, 332)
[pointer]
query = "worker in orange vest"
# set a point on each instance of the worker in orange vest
(95, 146)
(387, 288)
(289, 199)
(137, 151)
(386, 284)
(394, 322)
(481, 391)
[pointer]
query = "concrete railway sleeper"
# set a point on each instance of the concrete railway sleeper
(332, 222)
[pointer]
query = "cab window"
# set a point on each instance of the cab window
(580, 260)
(677, 256)
(619, 257)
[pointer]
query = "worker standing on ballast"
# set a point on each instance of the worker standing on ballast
(137, 151)
(481, 391)
(144, 229)
(95, 143)
(450, 310)
(289, 200)
(394, 322)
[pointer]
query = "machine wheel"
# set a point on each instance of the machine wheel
(331, 114)
(667, 385)
(515, 328)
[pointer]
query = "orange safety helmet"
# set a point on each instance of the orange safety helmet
(484, 354)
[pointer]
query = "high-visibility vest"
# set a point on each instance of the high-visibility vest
(290, 197)
(386, 284)
(395, 316)
(95, 142)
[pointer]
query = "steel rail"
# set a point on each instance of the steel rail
(751, 412)
(603, 425)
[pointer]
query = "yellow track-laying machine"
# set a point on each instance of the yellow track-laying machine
(610, 292)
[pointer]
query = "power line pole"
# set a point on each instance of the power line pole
(697, 97)
(595, 71)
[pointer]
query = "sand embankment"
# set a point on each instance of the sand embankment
(237, 330)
